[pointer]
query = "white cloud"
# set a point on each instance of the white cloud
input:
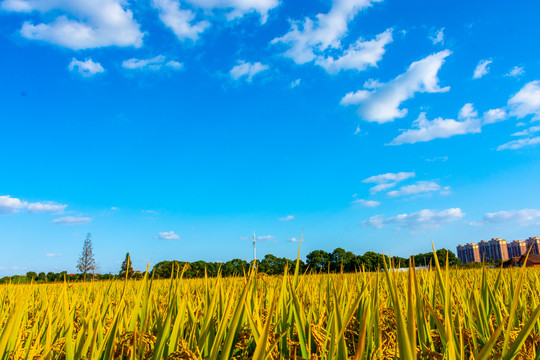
(294, 240)
(383, 104)
(180, 21)
(265, 237)
(372, 84)
(438, 38)
(310, 38)
(516, 71)
(85, 68)
(367, 203)
(9, 205)
(389, 177)
(47, 206)
(520, 216)
(239, 8)
(426, 130)
(79, 24)
(295, 83)
(526, 101)
(493, 116)
(248, 70)
(72, 220)
(468, 123)
(526, 132)
(417, 188)
(114, 208)
(156, 63)
(168, 235)
(359, 56)
(481, 69)
(381, 187)
(422, 219)
(52, 255)
(286, 218)
(518, 144)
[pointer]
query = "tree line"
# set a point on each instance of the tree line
(316, 261)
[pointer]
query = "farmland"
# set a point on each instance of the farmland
(442, 312)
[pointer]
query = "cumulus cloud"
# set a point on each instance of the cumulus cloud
(247, 70)
(518, 144)
(468, 122)
(359, 56)
(481, 69)
(286, 218)
(79, 24)
(85, 68)
(308, 39)
(72, 220)
(526, 101)
(422, 219)
(519, 216)
(418, 188)
(156, 63)
(382, 104)
(9, 205)
(438, 37)
(367, 203)
(180, 21)
(516, 71)
(168, 235)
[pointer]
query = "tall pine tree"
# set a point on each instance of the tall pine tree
(126, 268)
(87, 263)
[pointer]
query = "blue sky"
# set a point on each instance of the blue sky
(173, 129)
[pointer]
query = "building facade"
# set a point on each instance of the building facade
(517, 248)
(533, 243)
(468, 253)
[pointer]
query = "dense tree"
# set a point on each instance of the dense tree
(126, 270)
(87, 263)
(318, 260)
(31, 275)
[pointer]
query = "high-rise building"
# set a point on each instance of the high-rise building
(468, 253)
(533, 243)
(499, 249)
(484, 250)
(517, 248)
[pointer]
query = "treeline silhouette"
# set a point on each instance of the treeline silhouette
(316, 261)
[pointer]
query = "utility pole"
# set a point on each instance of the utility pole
(254, 250)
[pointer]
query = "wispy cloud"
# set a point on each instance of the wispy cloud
(247, 70)
(53, 255)
(366, 203)
(286, 218)
(438, 37)
(481, 69)
(516, 71)
(523, 216)
(156, 63)
(72, 220)
(518, 144)
(420, 187)
(168, 235)
(526, 101)
(181, 21)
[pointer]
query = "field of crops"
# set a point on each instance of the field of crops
(442, 313)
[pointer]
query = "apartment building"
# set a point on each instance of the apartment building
(517, 248)
(533, 243)
(468, 253)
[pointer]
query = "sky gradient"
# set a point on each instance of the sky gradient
(174, 129)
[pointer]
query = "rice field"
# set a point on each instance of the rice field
(441, 313)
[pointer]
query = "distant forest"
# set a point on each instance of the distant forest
(316, 261)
